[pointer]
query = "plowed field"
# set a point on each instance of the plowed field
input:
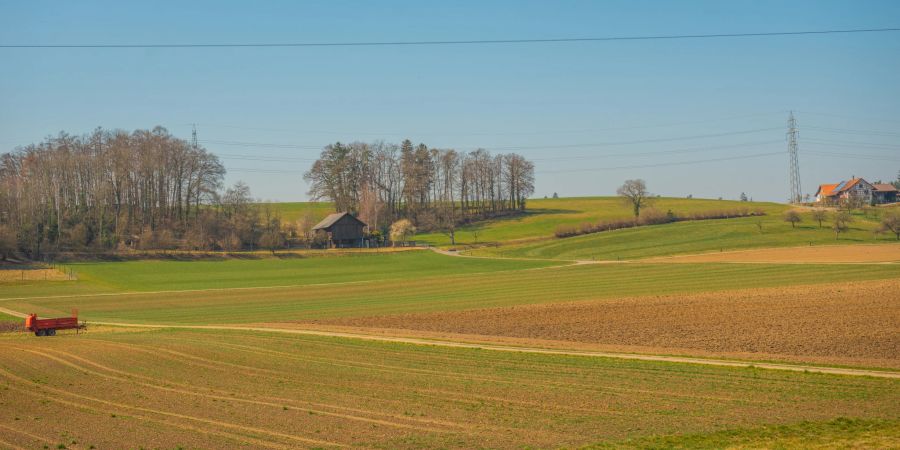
(847, 323)
(205, 389)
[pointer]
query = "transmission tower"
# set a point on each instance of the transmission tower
(194, 143)
(796, 193)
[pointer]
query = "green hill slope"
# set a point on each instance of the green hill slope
(692, 237)
(530, 234)
(543, 216)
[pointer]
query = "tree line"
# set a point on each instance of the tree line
(437, 189)
(117, 189)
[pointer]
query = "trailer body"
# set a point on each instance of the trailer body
(48, 327)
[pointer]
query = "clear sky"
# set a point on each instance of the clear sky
(587, 113)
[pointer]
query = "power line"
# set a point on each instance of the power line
(854, 156)
(682, 163)
(641, 141)
(860, 118)
(458, 42)
(526, 133)
(835, 143)
(855, 132)
(515, 147)
(658, 152)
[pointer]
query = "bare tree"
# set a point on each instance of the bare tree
(634, 193)
(8, 243)
(891, 222)
(793, 217)
(819, 215)
(842, 220)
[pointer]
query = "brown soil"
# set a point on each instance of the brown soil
(820, 254)
(847, 323)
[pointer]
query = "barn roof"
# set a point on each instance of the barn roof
(332, 219)
(884, 187)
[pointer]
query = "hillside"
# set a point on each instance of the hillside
(693, 237)
(530, 235)
(541, 217)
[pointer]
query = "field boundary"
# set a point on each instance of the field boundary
(532, 350)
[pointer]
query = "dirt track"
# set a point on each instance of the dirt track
(876, 253)
(848, 323)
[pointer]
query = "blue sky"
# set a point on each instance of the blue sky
(587, 113)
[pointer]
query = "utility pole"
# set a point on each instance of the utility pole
(796, 193)
(194, 144)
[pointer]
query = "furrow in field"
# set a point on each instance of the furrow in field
(222, 395)
(35, 391)
(25, 433)
(11, 445)
(218, 423)
(569, 385)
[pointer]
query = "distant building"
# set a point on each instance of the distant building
(885, 193)
(342, 230)
(856, 189)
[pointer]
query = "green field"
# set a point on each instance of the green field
(536, 226)
(291, 212)
(543, 216)
(691, 237)
(218, 389)
(287, 269)
(382, 284)
(837, 433)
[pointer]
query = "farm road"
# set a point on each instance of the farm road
(508, 348)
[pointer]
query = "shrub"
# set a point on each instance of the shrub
(652, 217)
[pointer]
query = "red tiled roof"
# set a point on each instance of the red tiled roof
(850, 184)
(825, 189)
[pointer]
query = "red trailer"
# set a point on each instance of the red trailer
(48, 327)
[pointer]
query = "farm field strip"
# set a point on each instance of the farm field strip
(167, 400)
(849, 323)
(524, 349)
(443, 293)
(831, 254)
(682, 238)
(159, 276)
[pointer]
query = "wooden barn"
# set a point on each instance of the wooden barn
(342, 230)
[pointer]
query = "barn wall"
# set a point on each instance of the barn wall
(346, 228)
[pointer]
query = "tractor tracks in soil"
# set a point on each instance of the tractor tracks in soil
(533, 350)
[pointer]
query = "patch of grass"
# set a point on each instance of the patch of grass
(452, 290)
(8, 318)
(294, 211)
(837, 433)
(689, 237)
(156, 275)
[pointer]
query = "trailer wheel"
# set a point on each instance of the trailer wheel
(51, 332)
(39, 333)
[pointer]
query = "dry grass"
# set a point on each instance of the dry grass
(846, 323)
(10, 275)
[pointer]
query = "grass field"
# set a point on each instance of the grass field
(260, 270)
(542, 216)
(164, 389)
(482, 283)
(691, 237)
